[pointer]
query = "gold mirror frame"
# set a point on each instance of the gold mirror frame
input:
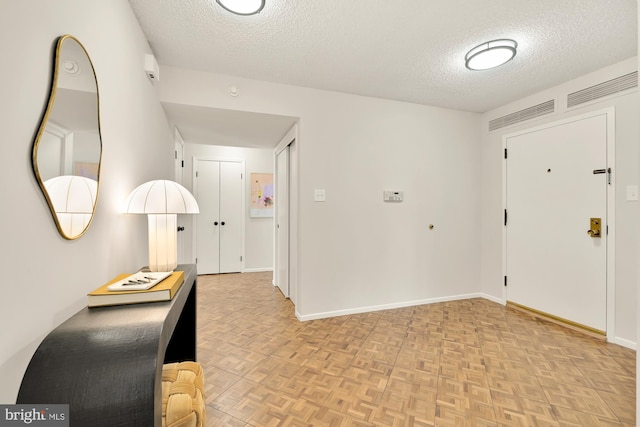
(67, 150)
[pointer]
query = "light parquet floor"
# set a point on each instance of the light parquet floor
(463, 363)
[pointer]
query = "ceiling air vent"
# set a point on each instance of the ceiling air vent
(601, 90)
(523, 115)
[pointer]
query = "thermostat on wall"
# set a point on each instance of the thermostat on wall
(393, 196)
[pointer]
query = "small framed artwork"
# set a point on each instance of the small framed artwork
(262, 195)
(86, 169)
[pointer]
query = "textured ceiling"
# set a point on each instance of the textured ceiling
(409, 50)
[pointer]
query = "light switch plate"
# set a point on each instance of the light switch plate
(319, 195)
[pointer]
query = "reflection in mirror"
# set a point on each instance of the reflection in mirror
(68, 148)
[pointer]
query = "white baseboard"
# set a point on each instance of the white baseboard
(624, 343)
(494, 299)
(257, 270)
(369, 309)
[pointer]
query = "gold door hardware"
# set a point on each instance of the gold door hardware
(596, 227)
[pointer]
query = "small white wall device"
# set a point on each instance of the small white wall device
(151, 68)
(319, 195)
(393, 196)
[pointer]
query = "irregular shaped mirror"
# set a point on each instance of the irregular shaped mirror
(68, 147)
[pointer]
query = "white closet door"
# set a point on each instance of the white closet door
(208, 220)
(230, 217)
(220, 222)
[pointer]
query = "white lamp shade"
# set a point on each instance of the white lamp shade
(161, 197)
(162, 200)
(73, 224)
(70, 194)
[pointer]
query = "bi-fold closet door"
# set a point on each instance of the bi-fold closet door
(218, 190)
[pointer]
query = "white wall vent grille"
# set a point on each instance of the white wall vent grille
(601, 90)
(523, 115)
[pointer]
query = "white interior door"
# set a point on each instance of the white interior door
(178, 163)
(553, 188)
(184, 221)
(207, 193)
(230, 217)
(282, 221)
(218, 190)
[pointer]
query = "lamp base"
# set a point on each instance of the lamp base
(163, 238)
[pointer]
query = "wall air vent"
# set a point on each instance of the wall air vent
(523, 115)
(619, 84)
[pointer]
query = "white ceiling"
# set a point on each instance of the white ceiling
(408, 50)
(205, 125)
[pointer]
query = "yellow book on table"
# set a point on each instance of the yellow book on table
(163, 291)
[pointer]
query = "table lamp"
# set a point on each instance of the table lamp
(161, 201)
(73, 199)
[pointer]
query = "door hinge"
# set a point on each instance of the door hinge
(505, 280)
(241, 175)
(240, 257)
(175, 154)
(196, 174)
(183, 163)
(505, 217)
(505, 153)
(196, 260)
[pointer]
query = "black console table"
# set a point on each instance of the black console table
(106, 362)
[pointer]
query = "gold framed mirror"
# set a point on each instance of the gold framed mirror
(67, 149)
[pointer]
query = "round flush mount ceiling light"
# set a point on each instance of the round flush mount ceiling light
(490, 54)
(71, 67)
(242, 7)
(233, 90)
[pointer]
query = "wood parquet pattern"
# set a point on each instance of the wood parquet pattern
(462, 363)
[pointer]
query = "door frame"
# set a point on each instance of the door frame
(611, 203)
(290, 137)
(281, 262)
(194, 186)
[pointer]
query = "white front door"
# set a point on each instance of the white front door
(218, 190)
(556, 181)
(282, 222)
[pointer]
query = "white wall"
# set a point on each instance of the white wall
(356, 252)
(627, 250)
(637, 119)
(258, 232)
(46, 278)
